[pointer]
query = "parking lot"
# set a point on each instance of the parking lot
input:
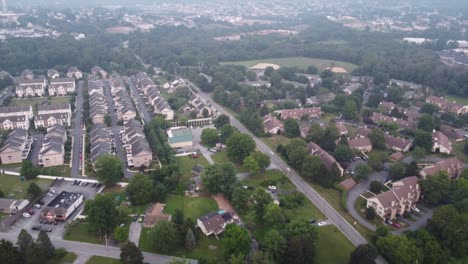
(56, 230)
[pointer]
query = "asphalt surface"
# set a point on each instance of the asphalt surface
(348, 230)
(77, 133)
(138, 100)
(7, 92)
(35, 148)
(134, 233)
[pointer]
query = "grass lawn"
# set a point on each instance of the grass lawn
(80, 232)
(201, 251)
(102, 260)
(70, 257)
(40, 100)
(193, 207)
(10, 166)
(3, 215)
(221, 157)
(458, 99)
(458, 151)
(11, 185)
(333, 246)
(273, 141)
(300, 62)
(187, 163)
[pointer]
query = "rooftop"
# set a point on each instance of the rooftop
(179, 135)
(64, 200)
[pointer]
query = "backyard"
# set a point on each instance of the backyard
(193, 207)
(13, 187)
(40, 100)
(221, 157)
(299, 62)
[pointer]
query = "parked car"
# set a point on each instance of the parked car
(26, 215)
(312, 221)
(37, 228)
(41, 202)
(37, 206)
(416, 209)
(31, 212)
(135, 218)
(48, 229)
(395, 224)
(323, 223)
(141, 218)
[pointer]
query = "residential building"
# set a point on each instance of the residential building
(144, 82)
(398, 143)
(9, 111)
(51, 115)
(441, 143)
(31, 87)
(16, 147)
(403, 196)
(27, 74)
(327, 159)
(62, 206)
(61, 86)
(379, 118)
(74, 72)
(13, 122)
(272, 125)
(342, 129)
(101, 142)
(360, 144)
(155, 214)
(200, 107)
(297, 113)
(387, 106)
(53, 147)
(53, 73)
(180, 137)
(447, 106)
(98, 108)
(98, 71)
(453, 166)
(451, 133)
(214, 223)
(124, 107)
(138, 151)
(12, 206)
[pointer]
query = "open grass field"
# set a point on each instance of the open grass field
(273, 141)
(333, 246)
(187, 163)
(102, 260)
(80, 232)
(458, 99)
(299, 62)
(207, 247)
(221, 157)
(40, 100)
(193, 207)
(11, 186)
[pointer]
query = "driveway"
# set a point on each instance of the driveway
(35, 148)
(77, 153)
(134, 233)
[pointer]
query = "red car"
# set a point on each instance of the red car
(31, 212)
(395, 224)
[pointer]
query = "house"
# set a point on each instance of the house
(11, 206)
(272, 125)
(53, 73)
(27, 74)
(197, 170)
(297, 113)
(451, 133)
(155, 214)
(342, 129)
(138, 151)
(101, 143)
(200, 107)
(397, 156)
(16, 147)
(51, 115)
(180, 137)
(387, 106)
(453, 166)
(98, 71)
(62, 206)
(327, 159)
(74, 72)
(61, 86)
(144, 82)
(398, 143)
(361, 144)
(320, 99)
(9, 111)
(403, 196)
(31, 87)
(13, 122)
(441, 143)
(53, 147)
(447, 106)
(214, 223)
(363, 132)
(379, 118)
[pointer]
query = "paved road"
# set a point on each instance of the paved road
(7, 92)
(87, 249)
(353, 235)
(35, 148)
(138, 100)
(116, 130)
(77, 133)
(134, 233)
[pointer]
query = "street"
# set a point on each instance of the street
(77, 156)
(138, 100)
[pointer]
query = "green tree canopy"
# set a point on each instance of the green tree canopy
(140, 189)
(377, 138)
(220, 178)
(102, 214)
(164, 236)
(131, 254)
(399, 249)
(239, 146)
(236, 240)
(108, 169)
(363, 254)
(209, 136)
(221, 121)
(34, 191)
(44, 243)
(291, 128)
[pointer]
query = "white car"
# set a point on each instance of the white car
(272, 187)
(26, 215)
(37, 206)
(288, 169)
(323, 223)
(416, 209)
(50, 194)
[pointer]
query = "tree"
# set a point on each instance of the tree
(363, 254)
(131, 254)
(251, 165)
(225, 132)
(377, 187)
(190, 241)
(412, 169)
(343, 152)
(398, 249)
(209, 136)
(108, 169)
(273, 215)
(28, 170)
(120, 233)
(314, 169)
(426, 123)
(205, 113)
(429, 109)
(432, 251)
(261, 199)
(419, 153)
(382, 231)
(220, 178)
(260, 257)
(221, 121)
(102, 215)
(239, 146)
(43, 241)
(377, 138)
(164, 236)
(24, 241)
(274, 244)
(423, 139)
(8, 253)
(302, 227)
(394, 94)
(108, 120)
(193, 114)
(34, 191)
(299, 250)
(140, 189)
(296, 157)
(35, 255)
(236, 240)
(376, 161)
(362, 171)
(350, 110)
(262, 159)
(240, 197)
(291, 128)
(436, 188)
(370, 213)
(397, 170)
